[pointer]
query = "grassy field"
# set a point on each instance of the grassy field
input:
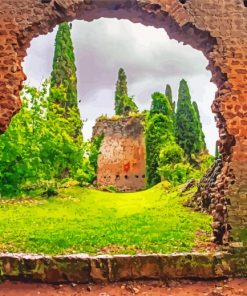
(81, 220)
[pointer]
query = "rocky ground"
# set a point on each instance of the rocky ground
(170, 288)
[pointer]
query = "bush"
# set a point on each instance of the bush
(85, 175)
(159, 133)
(172, 153)
(42, 145)
(176, 173)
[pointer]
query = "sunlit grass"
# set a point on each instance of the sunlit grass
(81, 220)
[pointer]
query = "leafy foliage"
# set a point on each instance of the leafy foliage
(123, 103)
(176, 173)
(41, 145)
(168, 93)
(201, 133)
(159, 133)
(160, 105)
(188, 128)
(173, 166)
(63, 76)
(171, 153)
(95, 151)
(63, 86)
(166, 160)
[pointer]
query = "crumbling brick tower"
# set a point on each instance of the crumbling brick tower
(216, 27)
(122, 158)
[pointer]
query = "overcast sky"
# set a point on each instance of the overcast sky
(149, 58)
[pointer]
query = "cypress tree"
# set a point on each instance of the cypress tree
(202, 136)
(159, 133)
(121, 92)
(63, 74)
(123, 103)
(160, 104)
(63, 85)
(168, 93)
(187, 129)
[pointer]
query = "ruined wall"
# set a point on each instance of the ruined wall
(216, 27)
(122, 158)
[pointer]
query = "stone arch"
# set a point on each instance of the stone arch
(217, 28)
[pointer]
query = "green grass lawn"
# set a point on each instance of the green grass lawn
(81, 220)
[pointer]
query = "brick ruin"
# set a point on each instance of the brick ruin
(122, 158)
(217, 28)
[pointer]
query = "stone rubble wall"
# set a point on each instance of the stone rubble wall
(217, 28)
(122, 158)
(84, 269)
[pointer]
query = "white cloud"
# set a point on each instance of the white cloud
(148, 56)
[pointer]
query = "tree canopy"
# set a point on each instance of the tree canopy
(123, 103)
(39, 147)
(168, 93)
(63, 75)
(188, 128)
(63, 83)
(159, 133)
(201, 135)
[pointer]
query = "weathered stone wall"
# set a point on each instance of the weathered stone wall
(122, 158)
(82, 268)
(217, 28)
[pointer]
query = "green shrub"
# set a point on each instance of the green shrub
(159, 132)
(171, 153)
(94, 151)
(40, 145)
(176, 173)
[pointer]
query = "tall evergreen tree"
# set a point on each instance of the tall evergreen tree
(121, 92)
(159, 133)
(168, 93)
(187, 128)
(123, 103)
(63, 74)
(160, 104)
(202, 136)
(63, 88)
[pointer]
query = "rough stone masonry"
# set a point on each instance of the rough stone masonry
(217, 28)
(122, 158)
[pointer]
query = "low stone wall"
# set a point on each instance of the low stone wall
(83, 268)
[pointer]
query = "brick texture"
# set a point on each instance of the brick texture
(122, 158)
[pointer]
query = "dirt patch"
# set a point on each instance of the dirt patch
(159, 288)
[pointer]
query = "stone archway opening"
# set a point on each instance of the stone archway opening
(149, 66)
(216, 29)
